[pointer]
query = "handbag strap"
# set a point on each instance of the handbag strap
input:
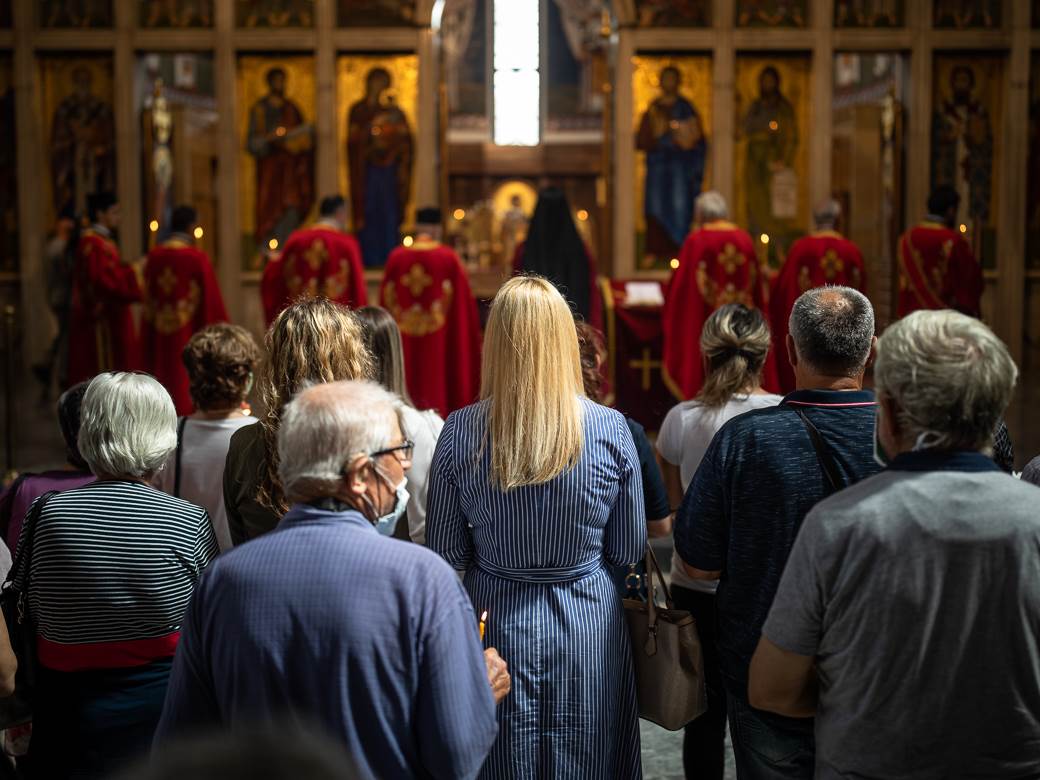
(653, 568)
(18, 578)
(823, 453)
(177, 458)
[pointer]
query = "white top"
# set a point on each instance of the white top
(423, 428)
(204, 449)
(685, 434)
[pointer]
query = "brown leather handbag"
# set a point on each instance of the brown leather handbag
(666, 652)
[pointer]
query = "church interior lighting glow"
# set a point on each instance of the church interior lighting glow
(582, 215)
(964, 228)
(272, 244)
(459, 214)
(154, 226)
(198, 232)
(517, 80)
(764, 238)
(674, 263)
(408, 241)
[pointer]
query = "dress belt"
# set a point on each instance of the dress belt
(564, 574)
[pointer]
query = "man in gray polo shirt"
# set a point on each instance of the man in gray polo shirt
(908, 615)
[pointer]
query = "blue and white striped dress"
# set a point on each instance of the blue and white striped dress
(535, 559)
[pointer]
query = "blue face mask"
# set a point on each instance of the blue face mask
(387, 524)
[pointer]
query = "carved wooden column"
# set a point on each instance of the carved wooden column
(229, 250)
(328, 156)
(128, 136)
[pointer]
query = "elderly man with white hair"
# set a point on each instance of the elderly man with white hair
(329, 621)
(717, 265)
(111, 568)
(824, 257)
(908, 616)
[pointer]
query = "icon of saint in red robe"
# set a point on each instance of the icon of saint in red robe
(819, 259)
(321, 259)
(717, 265)
(181, 296)
(102, 336)
(427, 291)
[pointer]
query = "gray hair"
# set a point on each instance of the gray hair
(949, 377)
(827, 213)
(128, 425)
(710, 205)
(833, 328)
(325, 426)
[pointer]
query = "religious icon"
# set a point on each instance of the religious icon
(378, 13)
(277, 170)
(8, 170)
(963, 14)
(771, 161)
(967, 112)
(868, 13)
(176, 13)
(673, 13)
(275, 13)
(464, 43)
(578, 68)
(772, 13)
(75, 13)
(82, 139)
(381, 95)
(671, 134)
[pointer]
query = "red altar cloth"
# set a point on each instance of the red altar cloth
(635, 355)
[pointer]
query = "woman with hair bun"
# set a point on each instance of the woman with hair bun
(735, 342)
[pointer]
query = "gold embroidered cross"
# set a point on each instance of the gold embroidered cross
(731, 259)
(316, 255)
(831, 264)
(167, 280)
(646, 365)
(416, 280)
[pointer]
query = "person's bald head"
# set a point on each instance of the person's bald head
(832, 330)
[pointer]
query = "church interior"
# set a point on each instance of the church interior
(254, 111)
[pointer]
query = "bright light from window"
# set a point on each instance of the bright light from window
(517, 81)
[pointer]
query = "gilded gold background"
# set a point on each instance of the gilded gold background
(696, 86)
(251, 86)
(55, 86)
(351, 71)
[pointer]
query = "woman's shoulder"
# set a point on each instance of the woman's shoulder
(426, 423)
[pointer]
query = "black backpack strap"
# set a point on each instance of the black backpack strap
(177, 458)
(823, 453)
(19, 574)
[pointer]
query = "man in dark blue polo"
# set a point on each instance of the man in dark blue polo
(761, 475)
(328, 622)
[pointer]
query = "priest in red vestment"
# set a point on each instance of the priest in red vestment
(427, 291)
(181, 296)
(937, 269)
(322, 259)
(102, 336)
(824, 257)
(717, 265)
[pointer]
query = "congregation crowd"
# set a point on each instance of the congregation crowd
(349, 584)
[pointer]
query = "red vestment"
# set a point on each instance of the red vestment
(181, 296)
(318, 260)
(427, 291)
(101, 327)
(937, 270)
(816, 260)
(717, 265)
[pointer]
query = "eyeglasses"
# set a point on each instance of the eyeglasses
(406, 449)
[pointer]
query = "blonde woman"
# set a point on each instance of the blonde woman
(734, 342)
(533, 491)
(312, 341)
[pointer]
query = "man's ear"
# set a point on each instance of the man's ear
(872, 355)
(358, 472)
(792, 355)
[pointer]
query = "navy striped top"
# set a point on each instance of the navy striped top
(114, 565)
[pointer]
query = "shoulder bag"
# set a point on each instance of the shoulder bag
(21, 626)
(666, 652)
(823, 454)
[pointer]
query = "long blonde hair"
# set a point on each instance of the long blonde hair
(531, 379)
(312, 341)
(734, 343)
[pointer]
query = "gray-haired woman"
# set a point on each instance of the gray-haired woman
(113, 567)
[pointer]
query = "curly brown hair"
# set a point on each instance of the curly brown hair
(312, 341)
(593, 353)
(220, 360)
